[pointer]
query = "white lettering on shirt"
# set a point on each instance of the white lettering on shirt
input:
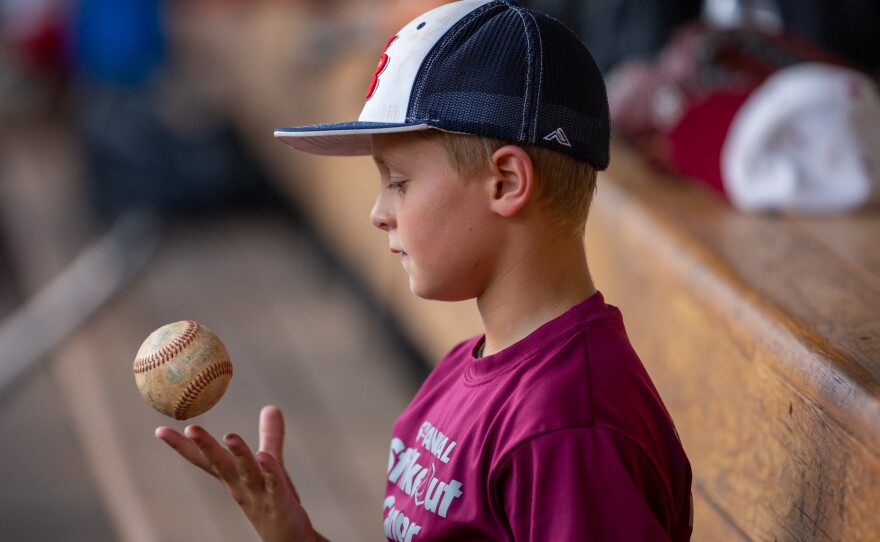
(398, 527)
(421, 483)
(435, 441)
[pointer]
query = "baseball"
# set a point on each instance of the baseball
(182, 369)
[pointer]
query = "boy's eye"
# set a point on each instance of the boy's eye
(396, 186)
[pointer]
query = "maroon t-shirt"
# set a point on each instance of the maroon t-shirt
(561, 436)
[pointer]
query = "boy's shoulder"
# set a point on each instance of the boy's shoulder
(567, 352)
(577, 371)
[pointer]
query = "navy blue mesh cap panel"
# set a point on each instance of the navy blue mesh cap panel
(573, 95)
(476, 77)
(509, 73)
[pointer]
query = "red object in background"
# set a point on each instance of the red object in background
(694, 143)
(44, 47)
(677, 108)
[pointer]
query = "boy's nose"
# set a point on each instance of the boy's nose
(379, 215)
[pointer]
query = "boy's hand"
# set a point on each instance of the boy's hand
(258, 482)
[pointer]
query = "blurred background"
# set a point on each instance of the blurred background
(140, 184)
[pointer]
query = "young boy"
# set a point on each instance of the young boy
(488, 123)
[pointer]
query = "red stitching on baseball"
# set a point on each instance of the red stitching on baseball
(159, 357)
(198, 384)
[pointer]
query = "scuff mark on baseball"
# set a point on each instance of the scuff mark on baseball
(182, 369)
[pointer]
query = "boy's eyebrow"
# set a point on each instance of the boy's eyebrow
(389, 160)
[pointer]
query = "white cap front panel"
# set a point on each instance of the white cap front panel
(389, 98)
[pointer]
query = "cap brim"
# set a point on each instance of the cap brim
(342, 139)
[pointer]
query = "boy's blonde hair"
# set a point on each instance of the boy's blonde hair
(565, 184)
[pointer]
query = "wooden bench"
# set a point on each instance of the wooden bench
(762, 333)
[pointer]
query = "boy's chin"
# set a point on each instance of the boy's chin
(436, 293)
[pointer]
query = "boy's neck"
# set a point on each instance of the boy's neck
(536, 286)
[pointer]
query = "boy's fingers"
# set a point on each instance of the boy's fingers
(276, 479)
(184, 447)
(270, 475)
(250, 474)
(272, 433)
(219, 460)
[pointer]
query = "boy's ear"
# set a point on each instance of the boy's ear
(513, 179)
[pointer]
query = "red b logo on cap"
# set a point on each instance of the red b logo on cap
(383, 63)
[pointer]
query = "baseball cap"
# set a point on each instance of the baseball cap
(806, 140)
(488, 68)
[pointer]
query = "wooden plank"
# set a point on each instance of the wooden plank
(821, 300)
(794, 285)
(46, 492)
(710, 523)
(43, 228)
(780, 422)
(852, 238)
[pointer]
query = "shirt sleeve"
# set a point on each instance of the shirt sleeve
(581, 484)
